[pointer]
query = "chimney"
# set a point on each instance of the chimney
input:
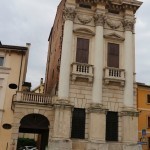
(41, 82)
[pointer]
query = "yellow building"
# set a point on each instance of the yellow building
(39, 88)
(13, 67)
(143, 103)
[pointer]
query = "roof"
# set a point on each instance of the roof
(143, 85)
(11, 47)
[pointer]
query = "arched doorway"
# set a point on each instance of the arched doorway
(36, 124)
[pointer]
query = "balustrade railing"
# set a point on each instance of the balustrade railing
(29, 97)
(114, 74)
(82, 70)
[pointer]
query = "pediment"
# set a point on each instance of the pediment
(84, 31)
(114, 36)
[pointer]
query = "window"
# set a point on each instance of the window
(113, 55)
(1, 61)
(78, 123)
(148, 142)
(82, 52)
(148, 122)
(112, 126)
(148, 98)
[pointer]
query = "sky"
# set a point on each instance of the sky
(30, 21)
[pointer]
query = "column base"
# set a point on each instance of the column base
(62, 144)
(97, 146)
(132, 147)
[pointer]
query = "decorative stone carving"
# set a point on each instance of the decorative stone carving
(129, 24)
(113, 24)
(99, 19)
(69, 13)
(84, 19)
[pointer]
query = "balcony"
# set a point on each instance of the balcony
(80, 70)
(32, 98)
(114, 75)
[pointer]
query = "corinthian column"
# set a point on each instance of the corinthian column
(97, 114)
(129, 64)
(63, 92)
(98, 60)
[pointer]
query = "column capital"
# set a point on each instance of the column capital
(99, 19)
(129, 24)
(69, 13)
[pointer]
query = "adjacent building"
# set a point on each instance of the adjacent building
(13, 67)
(90, 88)
(143, 104)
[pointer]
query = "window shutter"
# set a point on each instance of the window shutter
(112, 126)
(113, 55)
(78, 123)
(82, 53)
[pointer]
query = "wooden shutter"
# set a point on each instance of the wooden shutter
(78, 123)
(112, 126)
(82, 53)
(113, 55)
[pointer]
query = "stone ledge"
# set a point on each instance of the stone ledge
(97, 108)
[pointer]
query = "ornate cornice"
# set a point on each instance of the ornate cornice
(99, 19)
(69, 13)
(129, 24)
(84, 19)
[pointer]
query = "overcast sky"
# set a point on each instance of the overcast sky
(30, 21)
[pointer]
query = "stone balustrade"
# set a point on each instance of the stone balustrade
(81, 70)
(29, 97)
(115, 75)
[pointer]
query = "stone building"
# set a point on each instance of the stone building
(13, 67)
(90, 89)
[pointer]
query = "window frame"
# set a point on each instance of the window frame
(108, 56)
(75, 47)
(148, 122)
(148, 99)
(121, 53)
(1, 56)
(77, 50)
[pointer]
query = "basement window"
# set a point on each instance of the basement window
(78, 123)
(112, 126)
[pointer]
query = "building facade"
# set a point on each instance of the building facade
(143, 104)
(13, 67)
(90, 89)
